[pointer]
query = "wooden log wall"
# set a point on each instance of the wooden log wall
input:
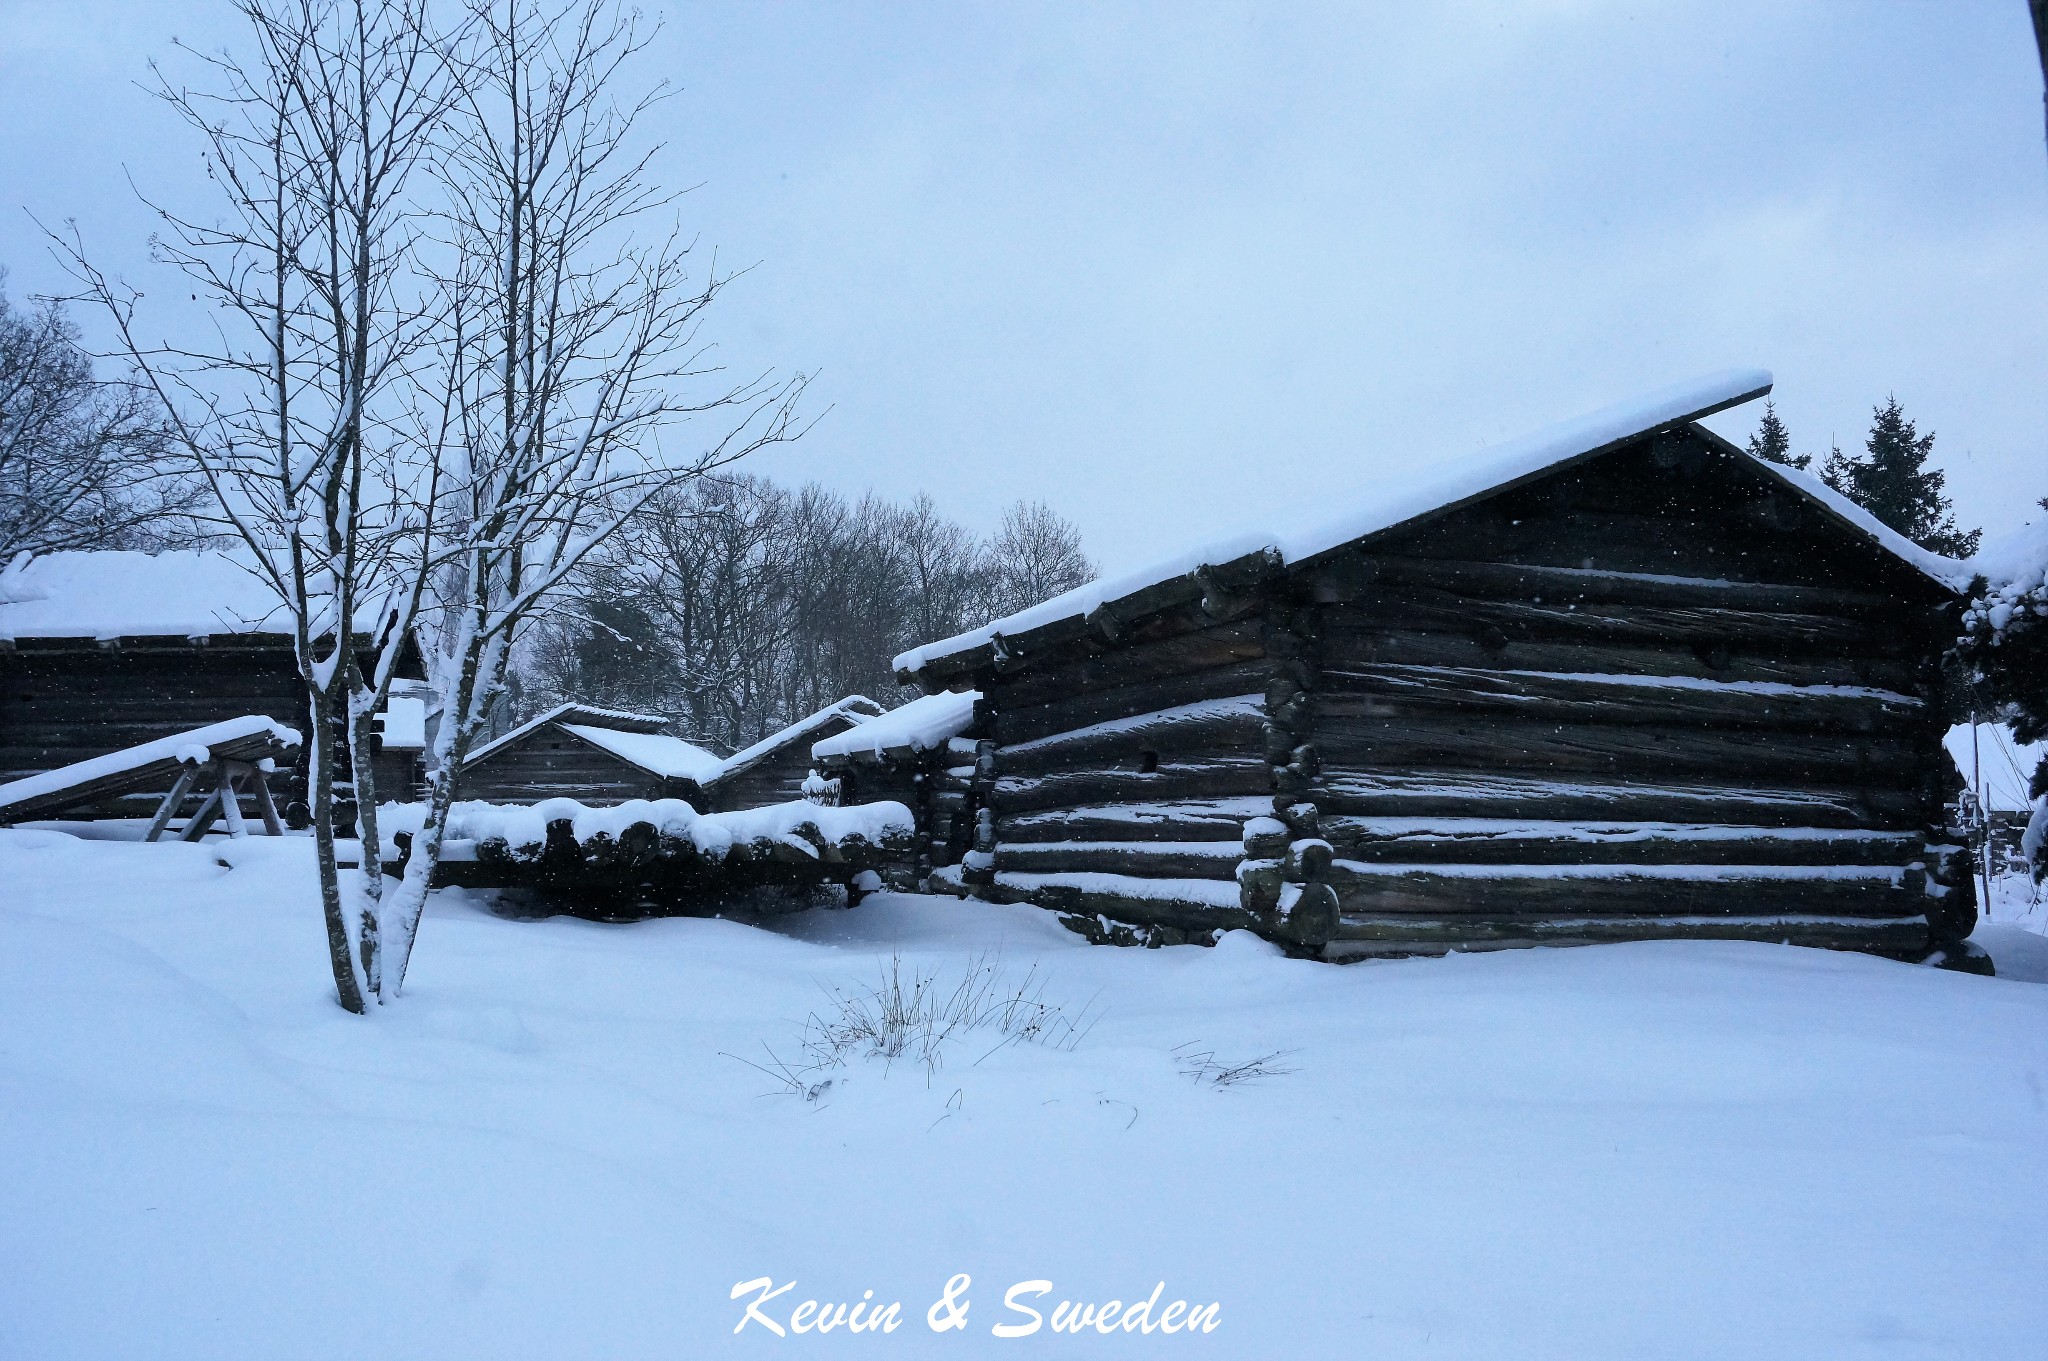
(1125, 773)
(551, 762)
(1629, 703)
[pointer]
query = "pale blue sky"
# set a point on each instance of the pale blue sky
(1186, 269)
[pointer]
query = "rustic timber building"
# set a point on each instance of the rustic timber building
(1616, 681)
(915, 755)
(105, 650)
(601, 756)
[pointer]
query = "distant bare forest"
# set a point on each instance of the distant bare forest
(734, 605)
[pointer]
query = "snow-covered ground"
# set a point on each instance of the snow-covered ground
(1660, 1150)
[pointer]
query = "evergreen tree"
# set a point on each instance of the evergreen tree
(1772, 444)
(1892, 482)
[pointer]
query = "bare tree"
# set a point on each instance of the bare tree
(571, 346)
(80, 459)
(1035, 555)
(298, 409)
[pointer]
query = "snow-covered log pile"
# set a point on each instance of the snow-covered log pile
(658, 856)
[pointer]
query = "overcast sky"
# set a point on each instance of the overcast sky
(1183, 270)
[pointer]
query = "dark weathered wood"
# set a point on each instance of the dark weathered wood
(1397, 692)
(1481, 841)
(1640, 890)
(1195, 904)
(552, 762)
(1211, 726)
(144, 779)
(1135, 663)
(1457, 739)
(1185, 820)
(1432, 792)
(1361, 936)
(1146, 859)
(1780, 634)
(1172, 780)
(1017, 726)
(1364, 645)
(1583, 586)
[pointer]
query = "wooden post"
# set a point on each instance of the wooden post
(231, 773)
(272, 824)
(168, 809)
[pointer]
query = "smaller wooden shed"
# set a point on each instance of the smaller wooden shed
(102, 651)
(773, 769)
(596, 756)
(920, 756)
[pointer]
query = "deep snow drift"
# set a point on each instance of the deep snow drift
(1669, 1150)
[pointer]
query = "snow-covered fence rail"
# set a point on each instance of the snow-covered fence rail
(659, 856)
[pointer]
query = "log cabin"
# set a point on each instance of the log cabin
(596, 756)
(915, 755)
(773, 770)
(105, 650)
(1615, 681)
(604, 756)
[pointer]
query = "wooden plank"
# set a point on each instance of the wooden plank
(1620, 751)
(1193, 904)
(1146, 859)
(1421, 691)
(144, 779)
(1174, 820)
(1015, 726)
(1436, 792)
(1587, 586)
(1207, 727)
(1369, 937)
(1781, 633)
(1348, 641)
(1135, 663)
(1559, 891)
(1555, 841)
(1172, 780)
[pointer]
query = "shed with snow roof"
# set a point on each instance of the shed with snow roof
(1615, 681)
(922, 755)
(101, 651)
(773, 769)
(596, 756)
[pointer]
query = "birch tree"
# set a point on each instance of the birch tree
(295, 397)
(575, 378)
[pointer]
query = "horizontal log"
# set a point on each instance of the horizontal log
(1369, 937)
(1643, 750)
(1209, 725)
(1147, 859)
(1587, 586)
(1184, 820)
(1569, 891)
(1194, 904)
(1141, 615)
(1496, 841)
(1015, 726)
(1420, 691)
(1777, 634)
(1172, 780)
(1675, 541)
(1350, 642)
(1430, 792)
(1133, 663)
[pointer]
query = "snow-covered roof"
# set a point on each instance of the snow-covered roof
(920, 725)
(669, 757)
(1995, 764)
(2017, 562)
(1395, 501)
(618, 720)
(854, 709)
(120, 594)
